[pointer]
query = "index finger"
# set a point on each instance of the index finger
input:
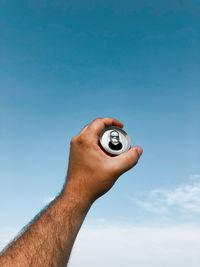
(99, 124)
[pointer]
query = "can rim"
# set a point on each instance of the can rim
(120, 130)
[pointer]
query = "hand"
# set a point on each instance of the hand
(91, 172)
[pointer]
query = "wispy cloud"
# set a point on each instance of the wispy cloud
(194, 176)
(183, 199)
(137, 246)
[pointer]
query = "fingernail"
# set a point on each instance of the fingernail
(139, 150)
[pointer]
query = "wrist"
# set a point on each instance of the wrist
(72, 195)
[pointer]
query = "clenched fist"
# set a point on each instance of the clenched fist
(91, 172)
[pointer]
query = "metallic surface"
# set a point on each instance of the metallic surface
(114, 140)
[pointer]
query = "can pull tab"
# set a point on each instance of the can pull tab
(115, 143)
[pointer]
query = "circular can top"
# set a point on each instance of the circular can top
(114, 140)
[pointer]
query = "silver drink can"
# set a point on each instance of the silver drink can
(114, 141)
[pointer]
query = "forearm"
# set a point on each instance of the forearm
(49, 240)
(91, 173)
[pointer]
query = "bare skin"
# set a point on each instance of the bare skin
(91, 173)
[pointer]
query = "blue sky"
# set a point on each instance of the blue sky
(64, 63)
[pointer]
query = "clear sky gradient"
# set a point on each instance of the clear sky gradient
(63, 63)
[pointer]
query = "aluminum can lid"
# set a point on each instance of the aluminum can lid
(114, 140)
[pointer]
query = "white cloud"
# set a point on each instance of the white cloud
(126, 245)
(194, 176)
(184, 199)
(129, 245)
(149, 206)
(137, 246)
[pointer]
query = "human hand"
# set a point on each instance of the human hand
(91, 172)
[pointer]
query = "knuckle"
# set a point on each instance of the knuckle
(97, 119)
(73, 141)
(82, 139)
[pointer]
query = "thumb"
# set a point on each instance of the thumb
(129, 159)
